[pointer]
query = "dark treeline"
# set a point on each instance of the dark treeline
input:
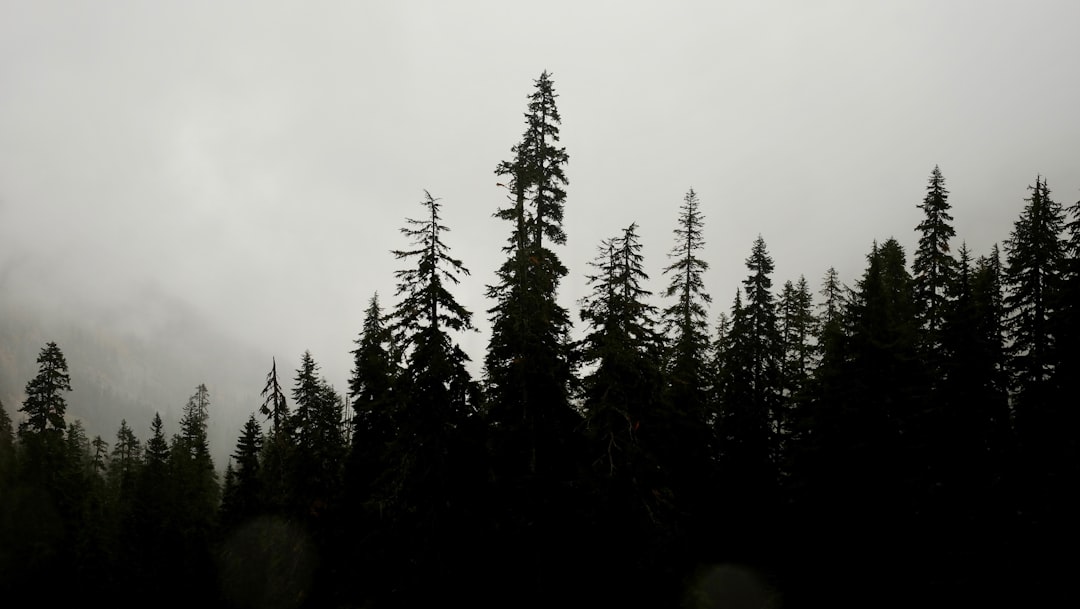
(908, 439)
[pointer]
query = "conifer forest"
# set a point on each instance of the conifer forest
(904, 440)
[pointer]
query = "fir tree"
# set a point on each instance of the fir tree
(45, 405)
(242, 492)
(529, 363)
(685, 319)
(625, 418)
(274, 405)
(933, 267)
(1034, 256)
(125, 462)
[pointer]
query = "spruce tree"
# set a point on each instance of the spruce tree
(1034, 257)
(528, 368)
(625, 421)
(529, 365)
(318, 436)
(42, 433)
(685, 319)
(429, 474)
(933, 267)
(242, 492)
(622, 350)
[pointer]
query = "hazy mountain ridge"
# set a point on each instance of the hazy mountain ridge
(121, 372)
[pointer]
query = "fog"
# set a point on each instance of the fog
(246, 166)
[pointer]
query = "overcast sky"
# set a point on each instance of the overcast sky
(255, 160)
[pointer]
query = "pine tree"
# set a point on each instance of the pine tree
(759, 347)
(685, 319)
(529, 364)
(274, 405)
(798, 326)
(933, 267)
(242, 492)
(625, 418)
(623, 350)
(1034, 257)
(43, 430)
(125, 462)
(318, 436)
(371, 389)
(7, 449)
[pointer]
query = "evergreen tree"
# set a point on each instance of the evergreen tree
(242, 492)
(755, 357)
(274, 406)
(623, 351)
(7, 449)
(1034, 256)
(42, 433)
(933, 267)
(798, 326)
(685, 319)
(318, 435)
(124, 463)
(624, 418)
(529, 365)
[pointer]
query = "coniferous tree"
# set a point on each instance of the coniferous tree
(933, 267)
(1035, 261)
(125, 462)
(318, 436)
(625, 420)
(687, 373)
(194, 497)
(798, 326)
(623, 351)
(274, 406)
(42, 433)
(1034, 255)
(751, 410)
(685, 319)
(7, 449)
(242, 492)
(429, 474)
(529, 365)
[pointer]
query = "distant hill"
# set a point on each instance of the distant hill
(123, 372)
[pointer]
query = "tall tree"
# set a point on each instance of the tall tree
(319, 438)
(1036, 259)
(687, 358)
(622, 349)
(1034, 256)
(427, 479)
(125, 462)
(625, 419)
(529, 366)
(274, 406)
(933, 267)
(371, 389)
(45, 405)
(798, 326)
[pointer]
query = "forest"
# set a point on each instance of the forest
(905, 440)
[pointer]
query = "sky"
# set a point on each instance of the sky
(251, 163)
